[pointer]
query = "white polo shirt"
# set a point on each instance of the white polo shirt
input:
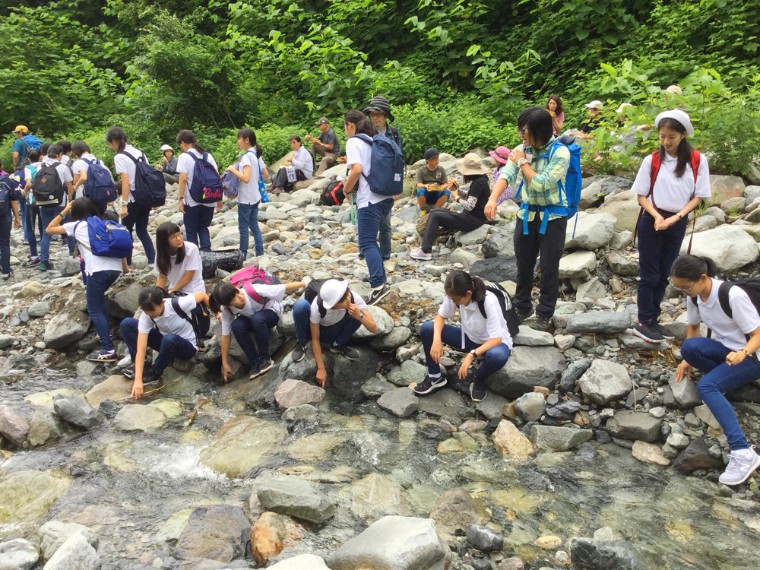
(478, 329)
(273, 294)
(191, 262)
(333, 316)
(170, 322)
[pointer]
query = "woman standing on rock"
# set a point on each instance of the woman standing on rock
(728, 360)
(670, 183)
(483, 333)
(249, 197)
(101, 271)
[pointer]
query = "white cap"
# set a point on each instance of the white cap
(165, 147)
(595, 104)
(674, 89)
(332, 292)
(676, 115)
(623, 107)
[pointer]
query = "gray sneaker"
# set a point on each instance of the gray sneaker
(345, 351)
(741, 465)
(299, 352)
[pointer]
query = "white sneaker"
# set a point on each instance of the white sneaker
(741, 465)
(420, 255)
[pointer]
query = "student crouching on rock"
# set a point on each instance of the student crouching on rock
(332, 316)
(101, 272)
(161, 328)
(254, 308)
(728, 360)
(478, 336)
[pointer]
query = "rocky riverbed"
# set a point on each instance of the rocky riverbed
(585, 453)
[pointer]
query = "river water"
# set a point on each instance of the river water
(135, 490)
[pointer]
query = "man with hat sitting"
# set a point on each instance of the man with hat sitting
(433, 186)
(326, 145)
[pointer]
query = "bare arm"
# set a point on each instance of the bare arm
(142, 348)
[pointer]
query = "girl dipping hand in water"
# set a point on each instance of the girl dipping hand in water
(728, 360)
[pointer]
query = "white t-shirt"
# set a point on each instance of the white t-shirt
(274, 295)
(186, 164)
(170, 322)
(81, 165)
(478, 329)
(125, 164)
(730, 332)
(333, 316)
(30, 171)
(672, 193)
(63, 173)
(92, 263)
(359, 152)
(248, 192)
(304, 162)
(191, 262)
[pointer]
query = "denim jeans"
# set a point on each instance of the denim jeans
(385, 235)
(369, 222)
(6, 222)
(97, 307)
(259, 324)
(248, 220)
(197, 219)
(340, 333)
(170, 347)
(550, 246)
(494, 360)
(137, 221)
(47, 213)
(709, 356)
(657, 252)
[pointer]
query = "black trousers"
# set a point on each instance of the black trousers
(527, 248)
(440, 218)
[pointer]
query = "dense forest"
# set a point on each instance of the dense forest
(457, 72)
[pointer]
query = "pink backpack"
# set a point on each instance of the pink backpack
(251, 275)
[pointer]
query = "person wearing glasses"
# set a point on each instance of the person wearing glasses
(728, 360)
(535, 169)
(483, 334)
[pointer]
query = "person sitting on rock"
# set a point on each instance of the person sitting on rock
(168, 165)
(483, 333)
(242, 315)
(298, 166)
(595, 118)
(161, 328)
(433, 186)
(728, 360)
(472, 217)
(332, 316)
(326, 145)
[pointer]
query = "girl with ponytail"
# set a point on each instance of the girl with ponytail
(483, 333)
(728, 360)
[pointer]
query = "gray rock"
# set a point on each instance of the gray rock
(592, 554)
(530, 337)
(591, 232)
(292, 393)
(606, 322)
(301, 562)
(397, 337)
(621, 264)
(139, 417)
(6, 340)
(39, 309)
(530, 406)
(598, 188)
(752, 193)
(401, 402)
(474, 237)
(492, 407)
(409, 372)
(376, 387)
(393, 542)
(216, 532)
(14, 425)
(592, 289)
(528, 366)
(286, 324)
(76, 411)
(66, 328)
(461, 255)
(122, 300)
(445, 404)
(44, 426)
(495, 269)
(685, 393)
(573, 373)
(551, 438)
(294, 497)
(53, 534)
(384, 324)
(696, 456)
(18, 554)
(500, 243)
(634, 426)
(74, 554)
(564, 411)
(605, 381)
(577, 265)
(621, 239)
(484, 539)
(730, 247)
(678, 441)
(306, 412)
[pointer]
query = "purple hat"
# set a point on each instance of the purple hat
(500, 154)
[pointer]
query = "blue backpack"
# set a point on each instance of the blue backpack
(569, 192)
(206, 187)
(99, 186)
(230, 182)
(150, 188)
(386, 172)
(32, 142)
(107, 238)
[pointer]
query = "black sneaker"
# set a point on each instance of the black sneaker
(665, 333)
(524, 315)
(129, 372)
(150, 377)
(477, 391)
(299, 352)
(648, 333)
(542, 324)
(429, 385)
(345, 351)
(378, 294)
(264, 365)
(102, 356)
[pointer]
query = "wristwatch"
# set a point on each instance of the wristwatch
(474, 353)
(521, 162)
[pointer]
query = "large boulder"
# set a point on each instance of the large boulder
(294, 497)
(577, 265)
(216, 532)
(528, 366)
(75, 410)
(74, 554)
(54, 534)
(728, 246)
(605, 381)
(18, 554)
(495, 269)
(625, 209)
(66, 328)
(696, 456)
(634, 426)
(393, 543)
(137, 417)
(122, 299)
(401, 402)
(723, 188)
(605, 322)
(591, 232)
(598, 188)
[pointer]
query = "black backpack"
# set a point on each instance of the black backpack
(312, 292)
(333, 194)
(150, 188)
(751, 286)
(199, 317)
(47, 187)
(507, 308)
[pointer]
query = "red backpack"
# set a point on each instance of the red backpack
(251, 275)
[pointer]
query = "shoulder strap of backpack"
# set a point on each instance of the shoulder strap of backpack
(125, 153)
(183, 315)
(321, 307)
(364, 137)
(695, 160)
(654, 170)
(725, 304)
